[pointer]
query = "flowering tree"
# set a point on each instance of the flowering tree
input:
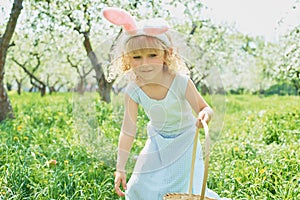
(289, 67)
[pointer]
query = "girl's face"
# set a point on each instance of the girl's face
(147, 63)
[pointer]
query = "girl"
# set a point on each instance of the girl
(169, 99)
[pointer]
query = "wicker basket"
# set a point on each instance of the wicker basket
(177, 196)
(190, 196)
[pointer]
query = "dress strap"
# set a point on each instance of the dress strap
(133, 91)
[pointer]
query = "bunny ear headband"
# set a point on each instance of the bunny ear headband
(154, 28)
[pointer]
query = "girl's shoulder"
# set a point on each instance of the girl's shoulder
(182, 78)
(132, 89)
(181, 83)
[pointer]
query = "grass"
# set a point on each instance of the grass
(64, 147)
(259, 149)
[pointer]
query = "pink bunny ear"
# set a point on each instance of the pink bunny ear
(120, 17)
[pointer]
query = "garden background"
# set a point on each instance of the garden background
(61, 110)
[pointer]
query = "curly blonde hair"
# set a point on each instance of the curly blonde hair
(143, 42)
(120, 62)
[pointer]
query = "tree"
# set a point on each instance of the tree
(289, 67)
(82, 73)
(34, 80)
(80, 19)
(41, 50)
(5, 105)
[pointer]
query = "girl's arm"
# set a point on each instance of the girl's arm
(197, 103)
(128, 132)
(126, 138)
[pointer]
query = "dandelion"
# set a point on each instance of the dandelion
(235, 148)
(19, 127)
(26, 138)
(66, 162)
(262, 171)
(70, 174)
(16, 138)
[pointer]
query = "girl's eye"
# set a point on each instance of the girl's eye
(152, 55)
(136, 57)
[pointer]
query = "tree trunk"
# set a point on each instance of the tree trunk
(19, 89)
(43, 91)
(9, 86)
(80, 87)
(296, 82)
(204, 89)
(5, 105)
(19, 84)
(104, 87)
(51, 90)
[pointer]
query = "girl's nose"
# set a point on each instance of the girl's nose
(144, 61)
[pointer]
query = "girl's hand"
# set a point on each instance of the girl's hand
(120, 177)
(203, 115)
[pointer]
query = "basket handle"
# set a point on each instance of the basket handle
(207, 143)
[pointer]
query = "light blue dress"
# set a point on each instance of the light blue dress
(164, 164)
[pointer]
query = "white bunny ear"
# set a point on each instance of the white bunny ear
(155, 27)
(120, 17)
(155, 30)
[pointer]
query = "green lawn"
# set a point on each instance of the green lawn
(57, 148)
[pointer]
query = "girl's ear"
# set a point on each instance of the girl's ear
(125, 62)
(120, 17)
(168, 52)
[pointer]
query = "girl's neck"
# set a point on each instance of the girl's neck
(158, 80)
(158, 89)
